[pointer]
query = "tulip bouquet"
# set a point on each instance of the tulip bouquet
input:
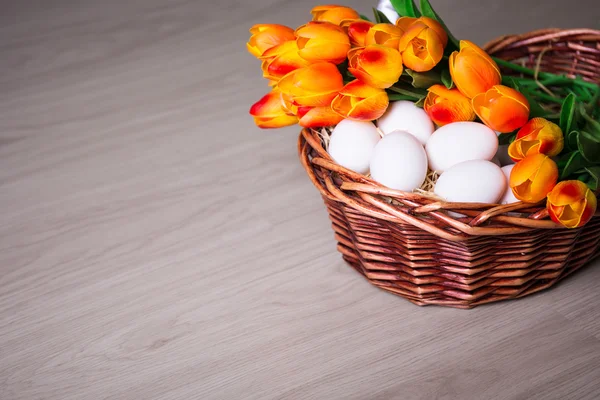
(341, 65)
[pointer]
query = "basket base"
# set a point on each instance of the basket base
(428, 270)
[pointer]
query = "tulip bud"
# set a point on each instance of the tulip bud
(533, 178)
(269, 112)
(357, 31)
(422, 44)
(502, 108)
(445, 105)
(333, 14)
(361, 102)
(314, 86)
(267, 36)
(537, 136)
(473, 70)
(280, 60)
(571, 204)
(387, 35)
(322, 41)
(375, 65)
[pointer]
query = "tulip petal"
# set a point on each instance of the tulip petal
(473, 70)
(359, 101)
(357, 31)
(333, 14)
(269, 112)
(315, 85)
(317, 117)
(386, 35)
(267, 36)
(571, 203)
(376, 65)
(370, 108)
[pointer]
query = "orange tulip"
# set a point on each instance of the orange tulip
(501, 108)
(281, 60)
(314, 86)
(322, 41)
(267, 36)
(422, 44)
(532, 178)
(473, 70)
(375, 65)
(269, 112)
(571, 204)
(387, 35)
(357, 31)
(317, 117)
(445, 105)
(360, 102)
(334, 14)
(537, 136)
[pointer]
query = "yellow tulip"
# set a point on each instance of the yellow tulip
(267, 36)
(532, 178)
(269, 112)
(571, 204)
(473, 70)
(334, 14)
(360, 102)
(502, 108)
(281, 60)
(376, 65)
(322, 41)
(313, 86)
(422, 44)
(445, 105)
(537, 136)
(387, 35)
(357, 31)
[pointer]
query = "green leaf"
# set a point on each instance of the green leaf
(571, 140)
(594, 173)
(423, 80)
(447, 79)
(380, 17)
(364, 17)
(506, 138)
(398, 96)
(589, 147)
(592, 125)
(567, 112)
(573, 164)
(428, 11)
(406, 8)
(421, 102)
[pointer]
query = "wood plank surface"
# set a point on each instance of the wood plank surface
(154, 244)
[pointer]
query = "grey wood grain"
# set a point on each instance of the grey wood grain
(154, 244)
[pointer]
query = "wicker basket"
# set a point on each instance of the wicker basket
(409, 245)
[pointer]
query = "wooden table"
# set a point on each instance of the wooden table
(154, 244)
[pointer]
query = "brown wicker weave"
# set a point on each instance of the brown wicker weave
(407, 244)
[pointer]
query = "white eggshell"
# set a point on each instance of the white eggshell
(460, 141)
(399, 162)
(351, 144)
(508, 197)
(474, 181)
(406, 116)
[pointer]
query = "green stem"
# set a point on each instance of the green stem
(406, 92)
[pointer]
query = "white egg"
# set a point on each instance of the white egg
(460, 141)
(351, 144)
(508, 197)
(406, 116)
(399, 162)
(474, 181)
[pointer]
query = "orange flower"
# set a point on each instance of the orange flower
(445, 105)
(334, 14)
(280, 60)
(314, 86)
(571, 204)
(422, 44)
(501, 108)
(473, 70)
(387, 35)
(357, 31)
(533, 178)
(360, 102)
(269, 112)
(375, 65)
(316, 117)
(267, 36)
(322, 41)
(537, 136)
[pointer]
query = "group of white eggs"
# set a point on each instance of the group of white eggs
(465, 154)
